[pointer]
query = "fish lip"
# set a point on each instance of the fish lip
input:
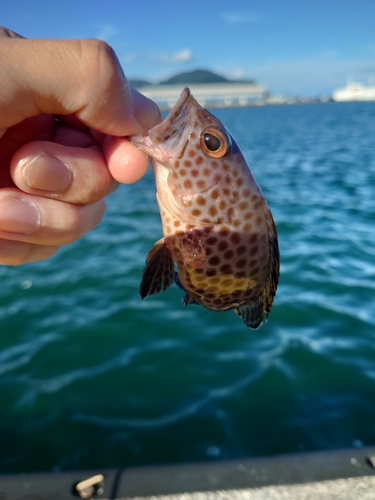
(179, 120)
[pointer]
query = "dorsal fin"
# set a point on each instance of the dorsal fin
(158, 275)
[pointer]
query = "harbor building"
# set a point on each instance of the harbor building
(210, 95)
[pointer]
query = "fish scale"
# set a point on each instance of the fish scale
(218, 229)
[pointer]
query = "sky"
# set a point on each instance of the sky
(293, 48)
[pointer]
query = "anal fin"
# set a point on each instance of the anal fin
(188, 299)
(158, 275)
(251, 314)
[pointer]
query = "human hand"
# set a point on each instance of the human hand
(65, 108)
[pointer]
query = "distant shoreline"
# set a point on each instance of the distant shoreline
(271, 102)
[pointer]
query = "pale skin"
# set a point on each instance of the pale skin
(65, 110)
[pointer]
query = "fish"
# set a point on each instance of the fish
(220, 241)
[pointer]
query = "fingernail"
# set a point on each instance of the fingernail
(145, 111)
(18, 216)
(46, 173)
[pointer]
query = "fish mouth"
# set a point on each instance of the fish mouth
(168, 140)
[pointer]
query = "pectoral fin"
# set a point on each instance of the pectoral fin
(158, 275)
(251, 314)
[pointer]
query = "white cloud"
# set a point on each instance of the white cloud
(184, 55)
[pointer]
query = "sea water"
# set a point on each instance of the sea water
(92, 376)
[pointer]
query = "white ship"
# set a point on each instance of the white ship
(354, 92)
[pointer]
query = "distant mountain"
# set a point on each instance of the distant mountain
(136, 84)
(196, 76)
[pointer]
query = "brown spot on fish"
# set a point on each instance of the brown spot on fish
(212, 211)
(228, 254)
(211, 240)
(215, 194)
(254, 250)
(224, 230)
(214, 260)
(226, 269)
(235, 238)
(241, 263)
(241, 249)
(201, 201)
(223, 245)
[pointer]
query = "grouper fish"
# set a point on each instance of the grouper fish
(220, 241)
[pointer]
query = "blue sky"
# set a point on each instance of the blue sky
(297, 48)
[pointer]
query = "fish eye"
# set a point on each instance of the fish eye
(214, 142)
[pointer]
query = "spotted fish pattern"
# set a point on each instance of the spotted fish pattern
(218, 230)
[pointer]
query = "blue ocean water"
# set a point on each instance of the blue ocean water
(92, 376)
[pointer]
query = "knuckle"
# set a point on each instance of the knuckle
(99, 64)
(105, 62)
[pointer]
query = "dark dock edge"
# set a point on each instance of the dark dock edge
(300, 476)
